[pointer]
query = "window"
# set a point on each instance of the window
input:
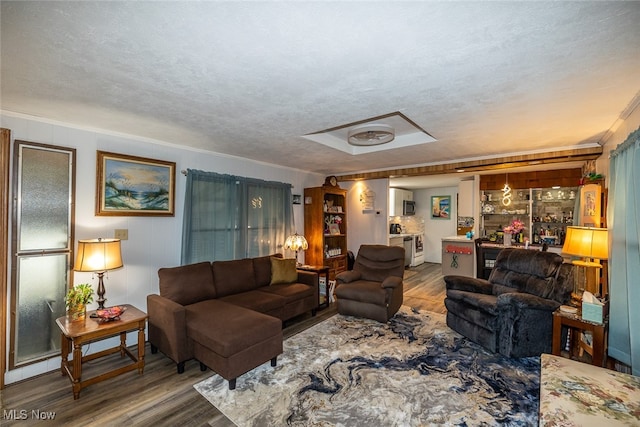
(228, 217)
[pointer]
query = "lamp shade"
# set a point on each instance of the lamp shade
(295, 242)
(98, 255)
(587, 242)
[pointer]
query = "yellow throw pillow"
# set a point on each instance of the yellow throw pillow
(283, 270)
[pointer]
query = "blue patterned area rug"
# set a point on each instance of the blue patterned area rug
(413, 371)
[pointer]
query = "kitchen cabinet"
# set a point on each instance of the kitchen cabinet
(325, 227)
(396, 197)
(466, 198)
(396, 241)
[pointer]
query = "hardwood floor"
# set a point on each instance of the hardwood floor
(161, 397)
(424, 288)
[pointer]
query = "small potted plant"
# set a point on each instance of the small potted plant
(76, 301)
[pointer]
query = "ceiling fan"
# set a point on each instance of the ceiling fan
(371, 134)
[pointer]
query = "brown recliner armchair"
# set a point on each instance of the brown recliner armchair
(511, 313)
(373, 289)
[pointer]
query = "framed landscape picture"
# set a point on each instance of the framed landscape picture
(440, 207)
(134, 186)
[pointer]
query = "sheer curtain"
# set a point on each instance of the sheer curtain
(623, 215)
(229, 217)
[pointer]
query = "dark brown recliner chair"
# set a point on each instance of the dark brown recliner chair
(373, 289)
(511, 313)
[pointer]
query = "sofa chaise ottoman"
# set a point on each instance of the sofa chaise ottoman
(238, 340)
(228, 314)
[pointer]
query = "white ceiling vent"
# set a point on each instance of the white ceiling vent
(371, 134)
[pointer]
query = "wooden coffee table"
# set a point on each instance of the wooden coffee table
(76, 334)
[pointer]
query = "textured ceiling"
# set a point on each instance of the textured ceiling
(250, 79)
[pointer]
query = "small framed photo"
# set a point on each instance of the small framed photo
(134, 186)
(297, 199)
(334, 229)
(441, 207)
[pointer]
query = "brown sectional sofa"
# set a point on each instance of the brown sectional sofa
(227, 314)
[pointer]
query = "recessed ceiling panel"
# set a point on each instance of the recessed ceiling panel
(407, 134)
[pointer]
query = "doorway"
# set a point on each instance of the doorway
(42, 246)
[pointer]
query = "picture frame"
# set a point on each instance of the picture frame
(440, 207)
(297, 199)
(590, 195)
(334, 229)
(134, 186)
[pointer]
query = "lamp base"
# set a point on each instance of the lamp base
(101, 291)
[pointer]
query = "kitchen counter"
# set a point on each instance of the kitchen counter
(456, 239)
(458, 256)
(555, 249)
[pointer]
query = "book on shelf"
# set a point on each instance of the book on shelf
(322, 282)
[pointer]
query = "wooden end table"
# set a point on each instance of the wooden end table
(76, 334)
(323, 300)
(577, 324)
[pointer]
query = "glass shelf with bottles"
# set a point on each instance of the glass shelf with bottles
(499, 211)
(551, 212)
(494, 203)
(546, 212)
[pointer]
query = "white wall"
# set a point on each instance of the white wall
(153, 242)
(367, 227)
(436, 229)
(374, 228)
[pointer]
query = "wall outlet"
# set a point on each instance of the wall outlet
(122, 234)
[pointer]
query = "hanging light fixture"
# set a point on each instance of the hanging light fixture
(506, 192)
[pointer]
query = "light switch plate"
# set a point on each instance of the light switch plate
(122, 234)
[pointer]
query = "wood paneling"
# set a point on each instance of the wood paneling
(539, 179)
(496, 163)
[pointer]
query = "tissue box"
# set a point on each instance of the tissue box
(593, 312)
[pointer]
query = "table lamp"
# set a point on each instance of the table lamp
(296, 242)
(98, 256)
(592, 245)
